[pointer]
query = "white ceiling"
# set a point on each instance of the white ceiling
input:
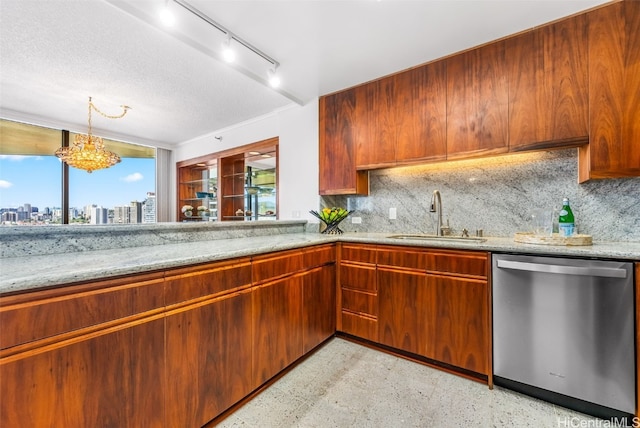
(54, 54)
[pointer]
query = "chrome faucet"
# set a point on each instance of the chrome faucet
(436, 206)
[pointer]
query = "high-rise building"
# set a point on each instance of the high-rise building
(121, 215)
(88, 210)
(149, 208)
(9, 217)
(21, 214)
(99, 215)
(73, 213)
(135, 212)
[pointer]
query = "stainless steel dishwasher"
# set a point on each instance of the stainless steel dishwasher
(563, 331)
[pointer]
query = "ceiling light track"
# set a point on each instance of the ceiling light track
(227, 32)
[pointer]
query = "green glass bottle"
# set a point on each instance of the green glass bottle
(566, 221)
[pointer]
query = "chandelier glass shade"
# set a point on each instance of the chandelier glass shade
(88, 152)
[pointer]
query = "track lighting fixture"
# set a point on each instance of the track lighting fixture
(166, 16)
(274, 79)
(228, 54)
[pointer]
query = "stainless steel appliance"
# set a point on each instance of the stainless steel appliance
(563, 330)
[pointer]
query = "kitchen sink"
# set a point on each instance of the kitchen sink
(438, 238)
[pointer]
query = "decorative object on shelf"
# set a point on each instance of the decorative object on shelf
(239, 212)
(187, 210)
(331, 217)
(203, 211)
(202, 195)
(88, 152)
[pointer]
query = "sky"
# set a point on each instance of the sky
(37, 180)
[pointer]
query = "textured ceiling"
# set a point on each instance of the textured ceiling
(54, 54)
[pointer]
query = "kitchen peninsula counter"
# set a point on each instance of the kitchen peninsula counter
(30, 272)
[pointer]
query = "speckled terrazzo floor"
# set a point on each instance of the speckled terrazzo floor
(345, 384)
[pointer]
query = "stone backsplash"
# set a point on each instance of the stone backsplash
(497, 195)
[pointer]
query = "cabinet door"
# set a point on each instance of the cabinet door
(208, 348)
(232, 188)
(614, 93)
(318, 307)
(277, 326)
(547, 71)
(460, 333)
(376, 124)
(337, 144)
(421, 104)
(104, 379)
(405, 311)
(477, 102)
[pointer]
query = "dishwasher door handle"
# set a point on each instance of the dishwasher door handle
(563, 270)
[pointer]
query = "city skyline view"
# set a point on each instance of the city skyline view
(36, 180)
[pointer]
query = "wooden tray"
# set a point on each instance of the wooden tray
(554, 239)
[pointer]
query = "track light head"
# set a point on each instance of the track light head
(166, 16)
(228, 54)
(274, 79)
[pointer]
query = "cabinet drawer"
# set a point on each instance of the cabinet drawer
(398, 257)
(472, 263)
(288, 262)
(362, 303)
(206, 280)
(358, 277)
(356, 325)
(277, 265)
(40, 314)
(319, 256)
(358, 253)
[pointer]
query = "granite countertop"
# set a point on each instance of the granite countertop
(40, 271)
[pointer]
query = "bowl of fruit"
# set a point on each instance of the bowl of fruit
(331, 217)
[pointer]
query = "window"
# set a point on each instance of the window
(31, 180)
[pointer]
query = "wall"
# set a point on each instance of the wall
(497, 195)
(297, 129)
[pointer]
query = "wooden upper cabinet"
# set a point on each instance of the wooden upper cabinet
(401, 118)
(477, 102)
(375, 124)
(338, 175)
(614, 93)
(547, 73)
(422, 112)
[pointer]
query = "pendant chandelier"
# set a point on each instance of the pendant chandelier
(88, 152)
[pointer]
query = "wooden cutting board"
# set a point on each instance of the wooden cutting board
(554, 239)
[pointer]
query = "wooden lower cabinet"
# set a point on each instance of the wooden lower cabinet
(112, 378)
(435, 303)
(405, 311)
(208, 359)
(318, 306)
(461, 330)
(168, 349)
(359, 300)
(277, 327)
